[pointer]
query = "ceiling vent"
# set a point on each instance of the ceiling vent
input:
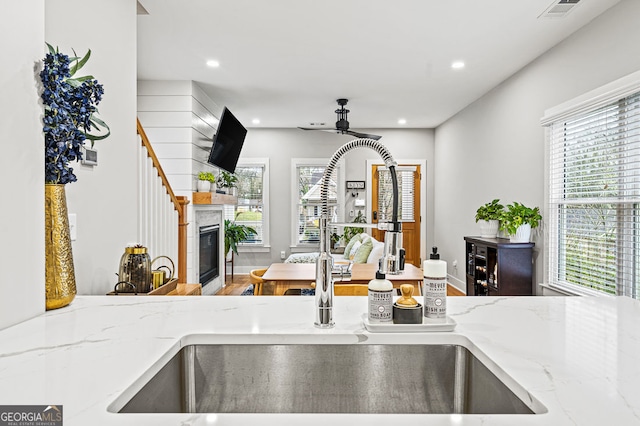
(559, 9)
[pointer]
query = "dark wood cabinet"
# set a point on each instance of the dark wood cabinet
(496, 267)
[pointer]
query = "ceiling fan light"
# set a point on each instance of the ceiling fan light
(457, 65)
(402, 121)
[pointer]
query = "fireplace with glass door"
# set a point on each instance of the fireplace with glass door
(209, 253)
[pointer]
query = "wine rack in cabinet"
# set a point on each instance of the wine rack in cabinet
(496, 267)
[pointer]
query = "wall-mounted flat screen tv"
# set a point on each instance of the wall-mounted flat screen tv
(227, 143)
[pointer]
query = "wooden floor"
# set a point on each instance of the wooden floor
(241, 282)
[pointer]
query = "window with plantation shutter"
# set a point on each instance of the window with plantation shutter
(594, 197)
(405, 176)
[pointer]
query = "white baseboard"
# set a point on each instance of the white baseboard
(455, 282)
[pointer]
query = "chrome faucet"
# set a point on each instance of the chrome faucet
(392, 261)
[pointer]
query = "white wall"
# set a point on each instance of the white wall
(495, 147)
(281, 145)
(105, 197)
(21, 162)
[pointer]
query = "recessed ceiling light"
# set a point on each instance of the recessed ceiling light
(402, 121)
(256, 121)
(457, 65)
(213, 63)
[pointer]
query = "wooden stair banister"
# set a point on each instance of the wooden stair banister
(179, 204)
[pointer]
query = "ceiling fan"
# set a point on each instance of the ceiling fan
(342, 125)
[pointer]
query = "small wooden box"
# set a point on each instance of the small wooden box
(202, 198)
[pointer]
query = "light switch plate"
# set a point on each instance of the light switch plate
(90, 156)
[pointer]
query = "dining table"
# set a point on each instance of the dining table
(285, 276)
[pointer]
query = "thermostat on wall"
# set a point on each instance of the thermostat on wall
(90, 157)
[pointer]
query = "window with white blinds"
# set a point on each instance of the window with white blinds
(252, 192)
(405, 175)
(309, 203)
(594, 199)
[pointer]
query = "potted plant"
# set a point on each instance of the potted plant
(518, 220)
(70, 118)
(350, 232)
(70, 114)
(234, 234)
(488, 216)
(335, 238)
(205, 180)
(227, 180)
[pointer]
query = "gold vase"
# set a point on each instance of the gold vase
(60, 278)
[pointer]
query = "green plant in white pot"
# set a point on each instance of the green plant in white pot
(488, 216)
(518, 220)
(205, 180)
(227, 181)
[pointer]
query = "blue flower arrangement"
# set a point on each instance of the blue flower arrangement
(69, 113)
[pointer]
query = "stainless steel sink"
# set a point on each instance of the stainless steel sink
(326, 378)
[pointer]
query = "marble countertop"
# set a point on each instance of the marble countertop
(577, 356)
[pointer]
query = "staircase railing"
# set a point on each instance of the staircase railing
(161, 211)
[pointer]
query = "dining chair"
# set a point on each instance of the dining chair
(255, 278)
(349, 289)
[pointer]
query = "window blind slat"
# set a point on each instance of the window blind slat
(405, 193)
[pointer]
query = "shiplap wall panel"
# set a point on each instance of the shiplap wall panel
(180, 120)
(205, 116)
(200, 155)
(165, 118)
(208, 103)
(164, 103)
(202, 127)
(202, 139)
(182, 184)
(172, 150)
(176, 166)
(168, 135)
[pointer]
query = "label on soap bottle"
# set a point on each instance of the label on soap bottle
(435, 297)
(380, 306)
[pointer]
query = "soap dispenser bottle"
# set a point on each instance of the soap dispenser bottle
(380, 299)
(435, 287)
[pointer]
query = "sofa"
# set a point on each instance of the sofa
(362, 248)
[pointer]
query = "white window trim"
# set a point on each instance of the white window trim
(295, 163)
(266, 242)
(592, 100)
